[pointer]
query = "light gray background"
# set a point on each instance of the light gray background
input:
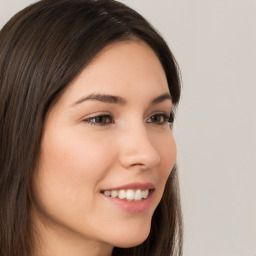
(215, 45)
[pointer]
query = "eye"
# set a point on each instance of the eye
(159, 119)
(99, 120)
(171, 118)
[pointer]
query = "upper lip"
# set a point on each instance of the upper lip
(134, 185)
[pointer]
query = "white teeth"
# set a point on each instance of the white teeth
(144, 194)
(130, 194)
(107, 193)
(114, 193)
(137, 196)
(121, 194)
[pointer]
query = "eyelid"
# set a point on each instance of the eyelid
(169, 114)
(167, 117)
(88, 120)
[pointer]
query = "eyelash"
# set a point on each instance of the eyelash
(97, 120)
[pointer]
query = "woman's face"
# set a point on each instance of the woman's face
(106, 151)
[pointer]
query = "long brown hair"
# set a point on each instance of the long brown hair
(42, 49)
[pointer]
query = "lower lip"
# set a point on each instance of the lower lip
(132, 206)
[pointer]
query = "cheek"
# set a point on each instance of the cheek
(73, 156)
(168, 153)
(66, 181)
(69, 170)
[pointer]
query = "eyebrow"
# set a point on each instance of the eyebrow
(161, 98)
(106, 98)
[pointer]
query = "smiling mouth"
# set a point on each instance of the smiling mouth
(129, 194)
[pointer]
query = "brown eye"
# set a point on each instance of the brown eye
(158, 119)
(99, 120)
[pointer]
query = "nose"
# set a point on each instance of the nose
(137, 149)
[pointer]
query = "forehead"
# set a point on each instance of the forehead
(121, 68)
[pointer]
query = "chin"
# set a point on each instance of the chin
(132, 238)
(129, 244)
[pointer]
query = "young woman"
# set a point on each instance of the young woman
(87, 157)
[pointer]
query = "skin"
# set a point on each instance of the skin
(80, 156)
